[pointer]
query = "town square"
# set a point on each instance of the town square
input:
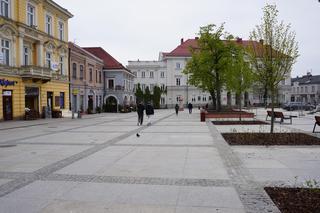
(143, 112)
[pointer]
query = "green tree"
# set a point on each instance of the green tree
(147, 95)
(139, 94)
(240, 76)
(156, 97)
(210, 61)
(272, 59)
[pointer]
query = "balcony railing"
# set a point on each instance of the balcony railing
(35, 72)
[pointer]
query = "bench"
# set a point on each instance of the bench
(316, 123)
(279, 115)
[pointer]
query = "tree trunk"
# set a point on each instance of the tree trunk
(265, 97)
(272, 111)
(214, 100)
(218, 91)
(240, 106)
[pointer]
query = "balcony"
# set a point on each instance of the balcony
(35, 73)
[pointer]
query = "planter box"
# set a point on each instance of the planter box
(229, 115)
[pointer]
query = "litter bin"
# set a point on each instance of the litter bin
(202, 116)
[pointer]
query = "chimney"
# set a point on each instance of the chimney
(261, 41)
(181, 41)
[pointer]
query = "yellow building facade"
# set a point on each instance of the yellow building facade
(33, 58)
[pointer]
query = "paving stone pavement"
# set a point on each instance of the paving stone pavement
(98, 164)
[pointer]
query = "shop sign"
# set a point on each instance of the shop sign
(75, 91)
(7, 93)
(5, 83)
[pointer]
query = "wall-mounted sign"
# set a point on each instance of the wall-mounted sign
(7, 93)
(55, 66)
(75, 91)
(5, 83)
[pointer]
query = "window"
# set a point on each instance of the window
(143, 87)
(301, 89)
(30, 15)
(61, 100)
(5, 49)
(81, 72)
(297, 89)
(61, 30)
(177, 98)
(97, 76)
(294, 89)
(135, 74)
(151, 74)
(61, 65)
(90, 74)
(306, 89)
(4, 11)
(100, 77)
(162, 74)
(48, 60)
(178, 66)
(193, 99)
(143, 74)
(163, 87)
(25, 56)
(74, 70)
(199, 98)
(110, 84)
(312, 89)
(204, 98)
(49, 24)
(162, 100)
(178, 81)
(210, 98)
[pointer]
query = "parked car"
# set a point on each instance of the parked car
(298, 106)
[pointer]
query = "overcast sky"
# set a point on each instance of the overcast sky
(140, 29)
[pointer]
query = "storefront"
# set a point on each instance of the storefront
(8, 99)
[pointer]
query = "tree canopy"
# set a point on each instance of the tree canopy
(210, 61)
(273, 51)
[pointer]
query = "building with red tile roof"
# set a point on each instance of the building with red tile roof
(118, 81)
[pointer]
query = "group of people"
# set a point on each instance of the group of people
(189, 107)
(149, 111)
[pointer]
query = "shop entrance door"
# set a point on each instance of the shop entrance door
(7, 105)
(50, 100)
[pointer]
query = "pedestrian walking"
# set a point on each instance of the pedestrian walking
(177, 109)
(149, 112)
(140, 109)
(190, 108)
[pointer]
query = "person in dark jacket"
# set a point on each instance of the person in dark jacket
(177, 109)
(140, 109)
(149, 112)
(190, 108)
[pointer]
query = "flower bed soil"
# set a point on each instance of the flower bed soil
(270, 139)
(295, 200)
(255, 122)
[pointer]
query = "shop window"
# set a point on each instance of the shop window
(61, 100)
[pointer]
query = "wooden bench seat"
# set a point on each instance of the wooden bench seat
(316, 123)
(279, 115)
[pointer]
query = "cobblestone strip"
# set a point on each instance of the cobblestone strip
(138, 180)
(252, 195)
(47, 170)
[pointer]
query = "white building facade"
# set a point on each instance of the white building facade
(178, 91)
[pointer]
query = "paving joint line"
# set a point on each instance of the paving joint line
(252, 195)
(49, 169)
